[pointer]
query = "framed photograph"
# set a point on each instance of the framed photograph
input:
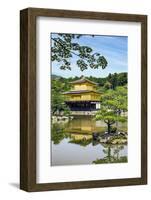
(83, 92)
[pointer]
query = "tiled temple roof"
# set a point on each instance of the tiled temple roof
(82, 80)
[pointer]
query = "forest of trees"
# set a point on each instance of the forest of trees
(109, 82)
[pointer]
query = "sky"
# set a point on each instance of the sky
(113, 48)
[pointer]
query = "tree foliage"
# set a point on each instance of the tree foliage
(58, 105)
(117, 79)
(64, 46)
(113, 103)
(107, 85)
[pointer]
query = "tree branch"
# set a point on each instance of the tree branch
(69, 50)
(65, 47)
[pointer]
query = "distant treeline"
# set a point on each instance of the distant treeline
(109, 82)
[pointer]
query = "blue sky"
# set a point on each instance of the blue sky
(113, 48)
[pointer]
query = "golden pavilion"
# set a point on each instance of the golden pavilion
(83, 96)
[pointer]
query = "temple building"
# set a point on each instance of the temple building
(83, 97)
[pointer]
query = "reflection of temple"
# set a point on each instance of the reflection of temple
(76, 136)
(84, 125)
(83, 98)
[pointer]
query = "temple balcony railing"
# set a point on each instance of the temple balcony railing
(82, 99)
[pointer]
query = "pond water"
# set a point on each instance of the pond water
(72, 143)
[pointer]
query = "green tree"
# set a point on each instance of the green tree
(58, 104)
(64, 46)
(113, 80)
(122, 79)
(113, 103)
(107, 85)
(117, 79)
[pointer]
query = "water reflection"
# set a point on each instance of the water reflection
(72, 143)
(85, 124)
(112, 154)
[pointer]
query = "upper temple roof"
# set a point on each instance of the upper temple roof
(83, 80)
